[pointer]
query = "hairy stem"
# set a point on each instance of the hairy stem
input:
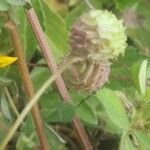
(83, 137)
(27, 82)
(47, 52)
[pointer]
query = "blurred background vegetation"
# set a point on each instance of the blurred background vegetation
(117, 117)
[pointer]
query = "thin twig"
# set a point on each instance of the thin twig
(43, 43)
(11, 102)
(27, 82)
(32, 65)
(37, 65)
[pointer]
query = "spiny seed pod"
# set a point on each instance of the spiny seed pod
(87, 76)
(98, 35)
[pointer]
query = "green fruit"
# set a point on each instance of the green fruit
(98, 35)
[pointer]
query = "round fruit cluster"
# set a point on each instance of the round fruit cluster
(97, 36)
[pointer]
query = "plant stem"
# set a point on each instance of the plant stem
(31, 104)
(27, 82)
(46, 51)
(33, 19)
(32, 65)
(11, 102)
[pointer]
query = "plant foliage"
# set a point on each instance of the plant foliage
(116, 116)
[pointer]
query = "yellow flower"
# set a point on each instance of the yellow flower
(5, 60)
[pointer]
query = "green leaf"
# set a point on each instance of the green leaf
(122, 4)
(5, 45)
(55, 133)
(135, 75)
(39, 75)
(51, 115)
(125, 142)
(140, 34)
(76, 12)
(59, 7)
(59, 113)
(4, 82)
(87, 113)
(30, 46)
(142, 76)
(4, 5)
(56, 32)
(108, 125)
(131, 55)
(37, 5)
(28, 129)
(121, 77)
(54, 140)
(86, 107)
(2, 21)
(138, 72)
(26, 34)
(49, 99)
(5, 107)
(97, 4)
(113, 107)
(5, 125)
(143, 138)
(24, 143)
(16, 2)
(67, 111)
